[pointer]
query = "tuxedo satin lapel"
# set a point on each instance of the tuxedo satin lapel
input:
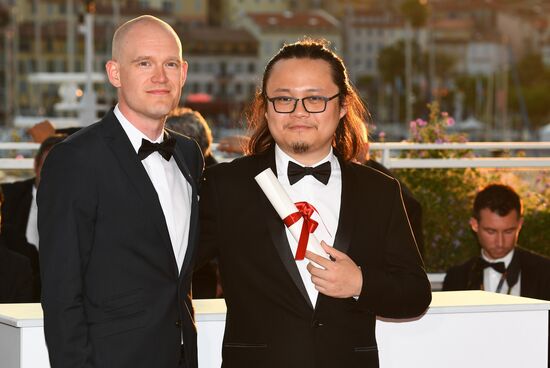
(347, 210)
(346, 215)
(277, 230)
(475, 276)
(130, 164)
(179, 156)
(528, 286)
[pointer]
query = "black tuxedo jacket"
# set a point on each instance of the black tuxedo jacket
(111, 292)
(15, 277)
(16, 205)
(270, 320)
(412, 206)
(535, 275)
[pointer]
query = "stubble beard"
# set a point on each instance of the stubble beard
(300, 147)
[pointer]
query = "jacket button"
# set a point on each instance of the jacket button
(316, 323)
(178, 323)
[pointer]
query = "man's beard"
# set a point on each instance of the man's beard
(300, 147)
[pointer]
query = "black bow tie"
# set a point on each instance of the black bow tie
(166, 148)
(296, 172)
(497, 266)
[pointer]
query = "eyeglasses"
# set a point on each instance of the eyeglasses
(312, 104)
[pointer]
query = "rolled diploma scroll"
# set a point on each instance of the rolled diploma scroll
(284, 206)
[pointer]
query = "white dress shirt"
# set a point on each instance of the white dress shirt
(326, 200)
(491, 278)
(32, 223)
(173, 190)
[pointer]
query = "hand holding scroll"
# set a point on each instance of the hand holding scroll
(340, 278)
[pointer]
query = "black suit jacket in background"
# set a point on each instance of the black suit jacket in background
(412, 206)
(535, 275)
(270, 320)
(111, 292)
(16, 282)
(16, 206)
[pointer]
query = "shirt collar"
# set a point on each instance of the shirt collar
(133, 133)
(506, 259)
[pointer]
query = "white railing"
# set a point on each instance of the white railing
(389, 156)
(391, 150)
(17, 163)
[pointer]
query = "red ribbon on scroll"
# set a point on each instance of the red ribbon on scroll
(305, 210)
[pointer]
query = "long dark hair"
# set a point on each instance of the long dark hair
(349, 136)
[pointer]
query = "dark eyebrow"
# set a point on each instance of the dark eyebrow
(288, 90)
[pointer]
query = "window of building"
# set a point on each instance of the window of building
(50, 66)
(60, 66)
(167, 6)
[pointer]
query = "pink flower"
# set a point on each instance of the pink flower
(444, 114)
(412, 124)
(450, 121)
(421, 122)
(382, 135)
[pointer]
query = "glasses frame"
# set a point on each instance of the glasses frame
(325, 99)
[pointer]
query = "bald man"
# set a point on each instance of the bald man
(117, 219)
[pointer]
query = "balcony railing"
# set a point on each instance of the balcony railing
(540, 156)
(390, 151)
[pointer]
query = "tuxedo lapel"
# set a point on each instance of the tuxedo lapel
(347, 214)
(179, 156)
(130, 164)
(342, 239)
(528, 285)
(277, 229)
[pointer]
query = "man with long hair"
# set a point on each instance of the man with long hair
(318, 311)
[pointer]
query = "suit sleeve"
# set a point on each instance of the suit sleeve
(67, 202)
(453, 280)
(398, 286)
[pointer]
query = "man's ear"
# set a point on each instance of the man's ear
(113, 73)
(474, 224)
(184, 67)
(343, 111)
